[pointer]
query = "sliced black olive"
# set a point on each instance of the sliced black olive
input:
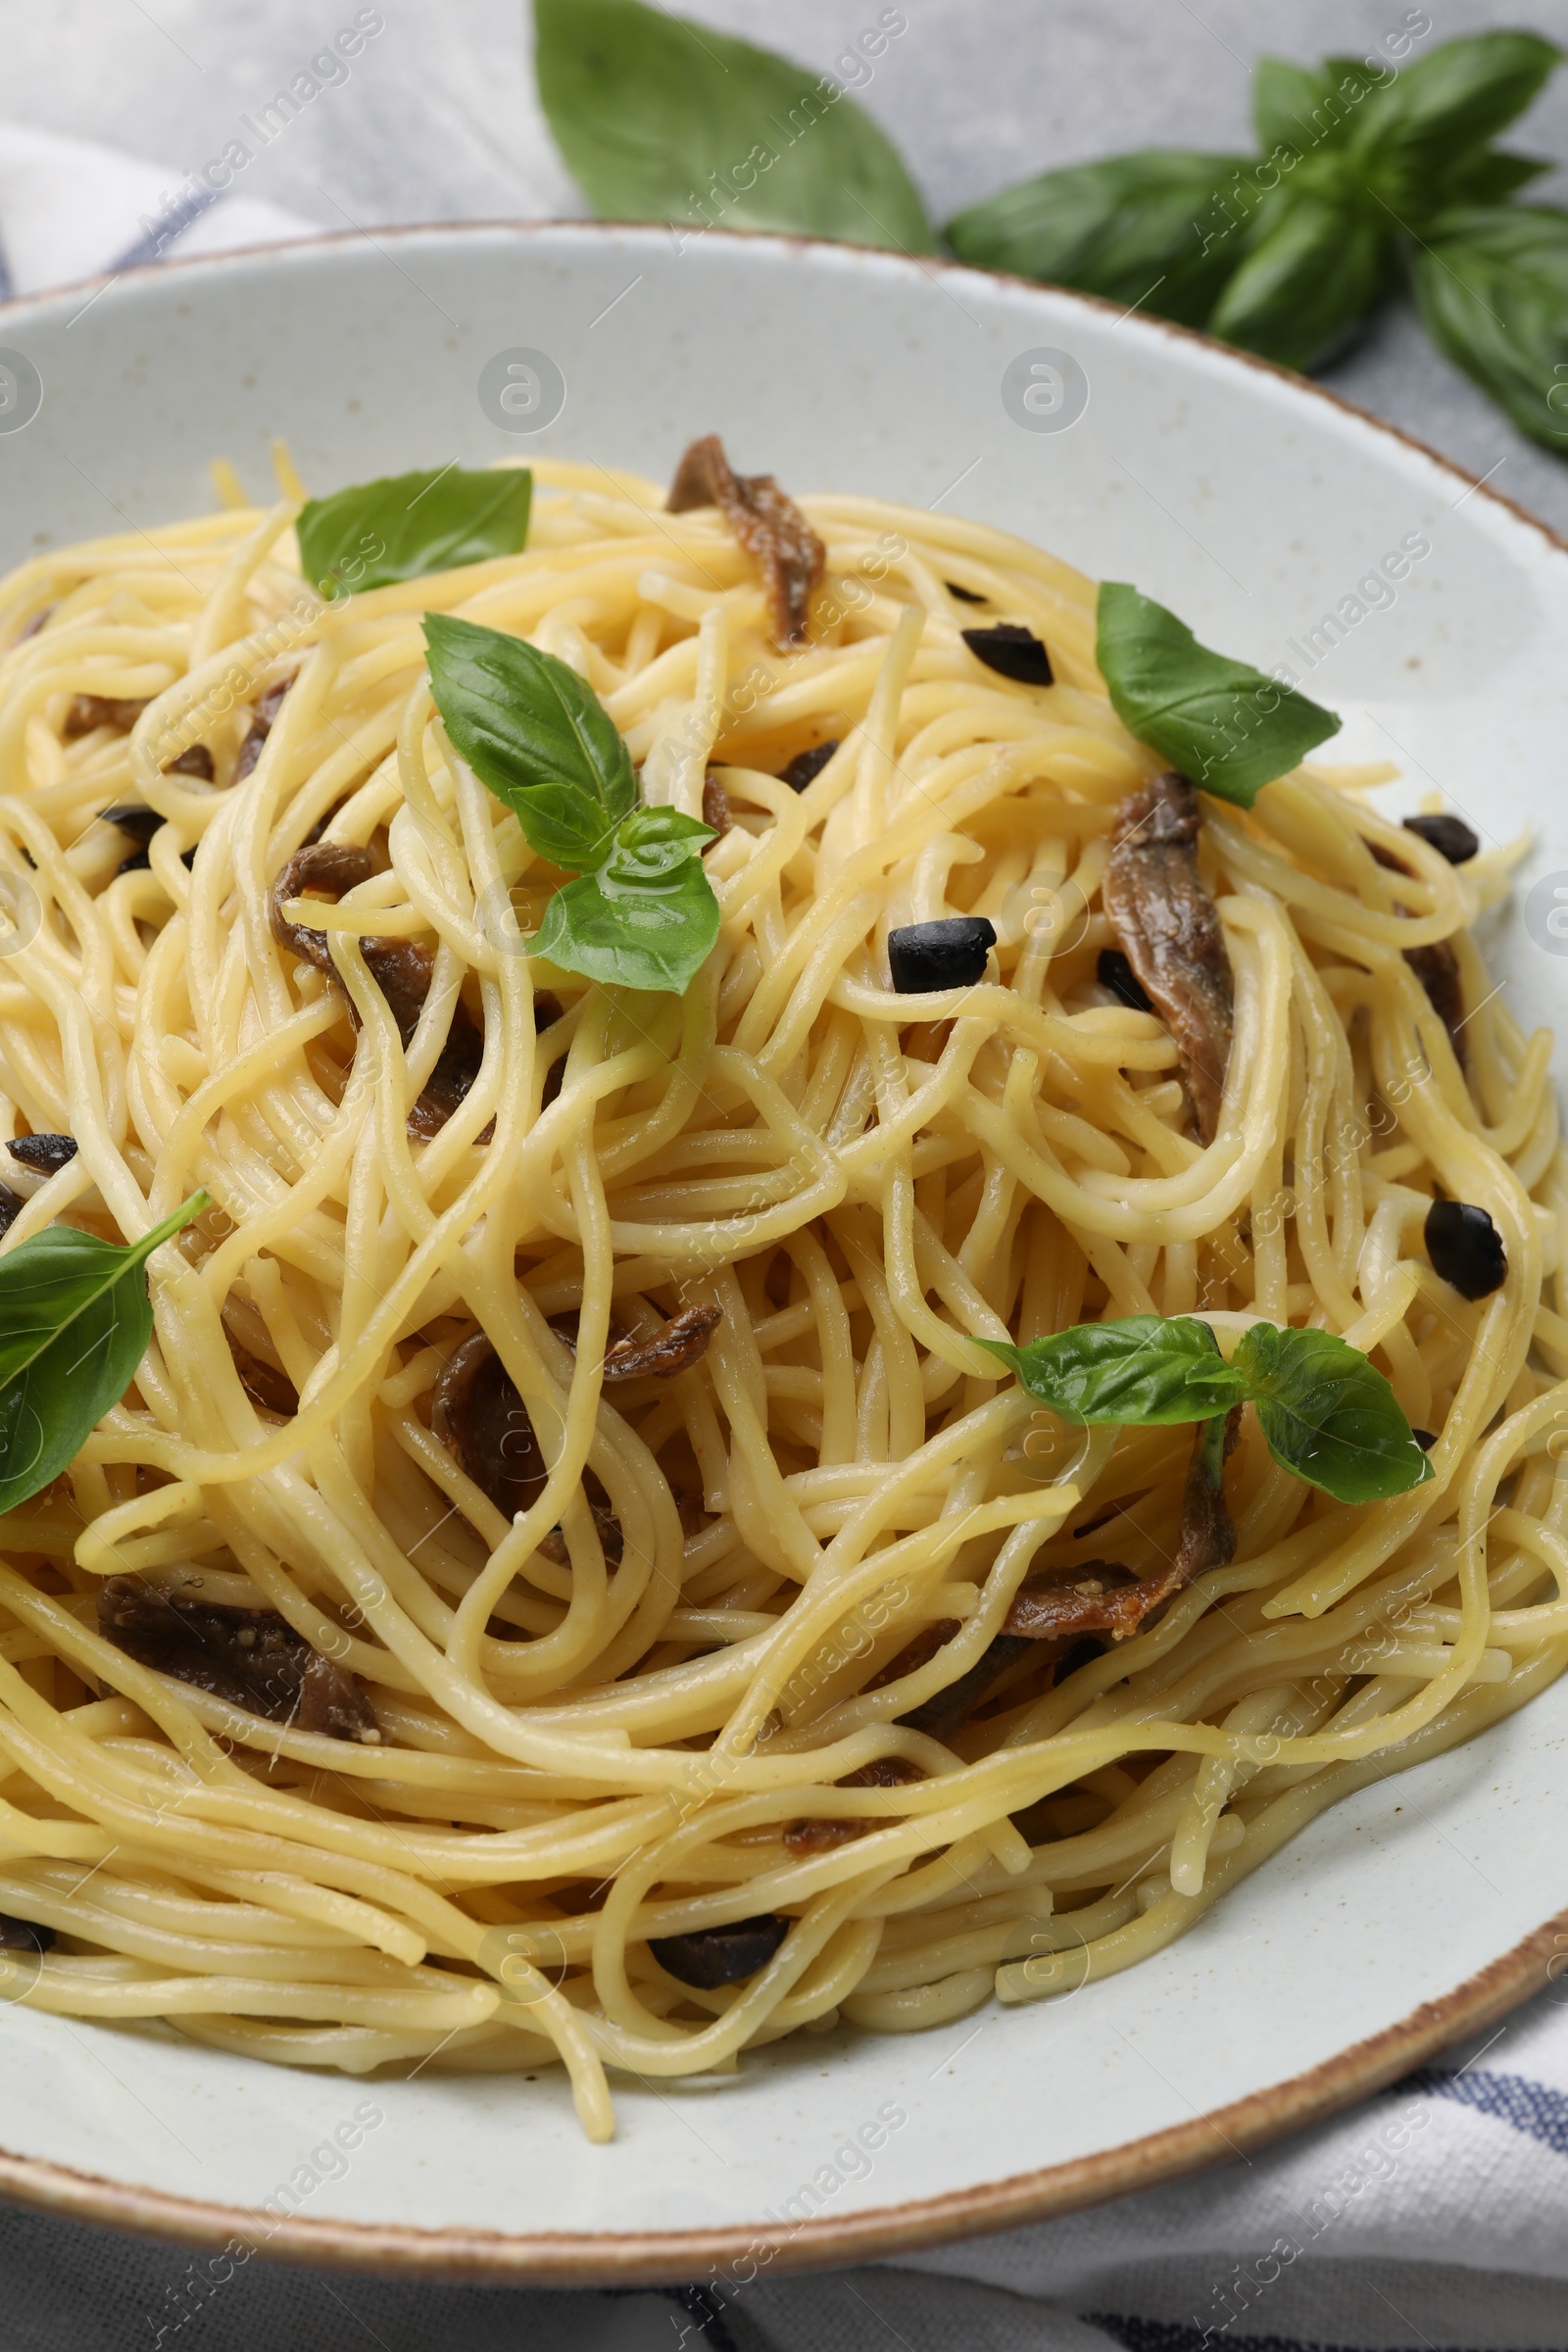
(715, 1956)
(1465, 1248)
(807, 766)
(23, 1936)
(1426, 1439)
(1449, 836)
(966, 596)
(45, 1154)
(1012, 652)
(1113, 971)
(135, 818)
(951, 953)
(11, 1208)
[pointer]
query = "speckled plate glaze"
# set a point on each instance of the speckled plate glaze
(1287, 527)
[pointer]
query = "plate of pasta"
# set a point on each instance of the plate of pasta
(781, 1364)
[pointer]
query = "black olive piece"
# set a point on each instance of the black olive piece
(1113, 971)
(965, 596)
(1449, 836)
(46, 1154)
(951, 953)
(1012, 652)
(133, 818)
(807, 766)
(715, 1956)
(11, 1208)
(1426, 1439)
(23, 1936)
(138, 863)
(1465, 1248)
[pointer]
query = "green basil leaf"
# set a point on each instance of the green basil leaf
(1329, 1415)
(408, 524)
(1316, 268)
(74, 1322)
(1219, 723)
(535, 733)
(1493, 175)
(1297, 108)
(1413, 130)
(1144, 1369)
(1152, 227)
(661, 120)
(647, 918)
(1492, 289)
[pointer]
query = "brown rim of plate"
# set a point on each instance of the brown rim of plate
(560, 2258)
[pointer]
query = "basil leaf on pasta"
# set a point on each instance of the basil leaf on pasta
(408, 524)
(74, 1322)
(661, 120)
(1147, 227)
(535, 733)
(647, 917)
(1144, 1369)
(1329, 1415)
(1220, 724)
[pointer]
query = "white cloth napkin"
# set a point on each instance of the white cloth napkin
(1434, 2215)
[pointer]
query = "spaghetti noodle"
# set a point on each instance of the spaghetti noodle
(714, 1732)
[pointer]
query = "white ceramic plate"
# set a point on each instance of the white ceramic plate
(1254, 504)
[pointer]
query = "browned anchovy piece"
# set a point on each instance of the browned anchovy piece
(821, 1836)
(478, 1414)
(1436, 966)
(768, 524)
(264, 715)
(251, 1658)
(479, 1417)
(1100, 1597)
(947, 1711)
(24, 1935)
(263, 1383)
(89, 711)
(673, 1348)
(197, 762)
(1170, 935)
(715, 805)
(401, 969)
(715, 1956)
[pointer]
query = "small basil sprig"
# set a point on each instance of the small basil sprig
(641, 913)
(1116, 227)
(1326, 1413)
(661, 120)
(408, 524)
(1492, 289)
(74, 1322)
(1220, 724)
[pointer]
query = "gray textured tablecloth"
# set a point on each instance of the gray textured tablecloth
(439, 122)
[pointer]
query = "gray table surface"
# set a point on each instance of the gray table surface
(438, 122)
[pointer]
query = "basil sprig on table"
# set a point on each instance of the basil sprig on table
(1326, 1413)
(661, 120)
(74, 1322)
(641, 913)
(1219, 722)
(408, 524)
(1373, 172)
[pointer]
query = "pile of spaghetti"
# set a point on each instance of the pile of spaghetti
(554, 1587)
